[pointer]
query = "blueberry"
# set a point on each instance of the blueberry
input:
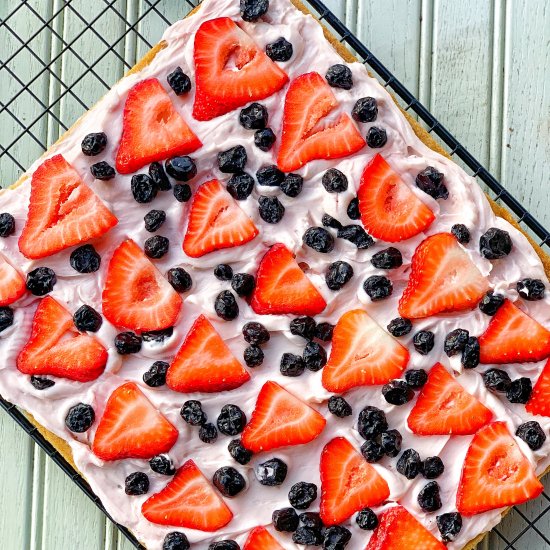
(491, 302)
(353, 209)
(338, 274)
(224, 545)
(314, 356)
(319, 239)
(378, 287)
(240, 186)
(336, 538)
(495, 243)
(292, 185)
(154, 220)
(175, 541)
(365, 110)
(339, 76)
(181, 168)
(156, 375)
(271, 210)
(253, 117)
(143, 188)
(238, 452)
(179, 279)
(40, 281)
(255, 333)
(449, 525)
(233, 160)
(281, 50)
(137, 483)
(497, 380)
(366, 519)
(390, 442)
(191, 411)
(159, 177)
(127, 342)
(272, 472)
(243, 284)
(285, 519)
(86, 318)
(162, 464)
(85, 259)
(532, 433)
(372, 451)
(334, 181)
(7, 224)
(470, 353)
(376, 137)
(208, 433)
(311, 520)
(291, 365)
(304, 327)
(307, 536)
(461, 232)
(520, 390)
(339, 407)
(371, 422)
(252, 10)
(226, 306)
(416, 378)
(80, 418)
(41, 383)
(389, 258)
(399, 327)
(253, 356)
(264, 139)
(423, 341)
(432, 467)
(182, 192)
(228, 481)
(356, 235)
(397, 392)
(6, 318)
(157, 335)
(429, 498)
(409, 464)
(329, 221)
(302, 495)
(223, 272)
(431, 181)
(179, 81)
(455, 341)
(531, 289)
(93, 144)
(270, 176)
(323, 331)
(156, 247)
(231, 420)
(102, 171)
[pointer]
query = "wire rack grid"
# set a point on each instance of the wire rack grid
(37, 105)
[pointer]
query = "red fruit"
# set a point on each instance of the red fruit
(399, 529)
(57, 348)
(231, 70)
(495, 473)
(12, 284)
(152, 128)
(348, 482)
(308, 101)
(63, 211)
(131, 427)
(283, 288)
(280, 419)
(539, 403)
(188, 501)
(216, 221)
(261, 539)
(444, 407)
(513, 337)
(443, 278)
(136, 295)
(204, 363)
(390, 211)
(362, 354)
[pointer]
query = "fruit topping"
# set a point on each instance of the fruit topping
(253, 117)
(397, 392)
(7, 225)
(376, 137)
(80, 418)
(539, 403)
(291, 365)
(231, 420)
(179, 279)
(181, 168)
(228, 481)
(532, 433)
(356, 235)
(182, 192)
(339, 76)
(162, 464)
(285, 520)
(13, 286)
(292, 185)
(431, 181)
(272, 472)
(191, 411)
(102, 171)
(156, 247)
(137, 483)
(365, 110)
(319, 239)
(399, 327)
(389, 258)
(531, 289)
(495, 243)
(461, 233)
(155, 376)
(429, 498)
(238, 452)
(334, 181)
(423, 341)
(252, 10)
(94, 144)
(232, 161)
(226, 306)
(87, 319)
(179, 81)
(378, 287)
(314, 356)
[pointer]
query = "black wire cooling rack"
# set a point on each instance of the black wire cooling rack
(33, 131)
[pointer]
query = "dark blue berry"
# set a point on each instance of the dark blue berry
(291, 365)
(252, 10)
(470, 353)
(85, 259)
(432, 467)
(397, 392)
(271, 210)
(281, 50)
(431, 181)
(162, 464)
(240, 186)
(356, 235)
(339, 407)
(304, 327)
(143, 188)
(41, 383)
(156, 247)
(7, 224)
(181, 168)
(80, 418)
(389, 258)
(461, 232)
(292, 185)
(243, 284)
(223, 272)
(231, 420)
(238, 452)
(6, 318)
(179, 81)
(40, 281)
(86, 318)
(319, 239)
(127, 342)
(449, 525)
(253, 356)
(390, 442)
(497, 380)
(532, 433)
(182, 192)
(253, 117)
(531, 289)
(366, 519)
(491, 302)
(179, 279)
(228, 481)
(372, 451)
(233, 160)
(371, 422)
(455, 341)
(272, 472)
(328, 221)
(520, 390)
(137, 483)
(208, 433)
(423, 341)
(495, 243)
(314, 356)
(270, 176)
(255, 333)
(302, 495)
(191, 411)
(378, 287)
(353, 209)
(338, 274)
(102, 171)
(409, 464)
(175, 541)
(159, 177)
(416, 378)
(157, 335)
(323, 331)
(399, 327)
(339, 76)
(93, 144)
(155, 377)
(336, 538)
(334, 181)
(376, 137)
(264, 139)
(226, 306)
(429, 498)
(154, 220)
(285, 519)
(365, 110)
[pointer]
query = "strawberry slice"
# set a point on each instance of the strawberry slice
(55, 347)
(513, 337)
(539, 402)
(188, 501)
(205, 363)
(280, 419)
(152, 128)
(282, 287)
(63, 211)
(261, 539)
(442, 279)
(136, 295)
(398, 528)
(216, 221)
(444, 407)
(348, 482)
(362, 354)
(230, 69)
(309, 99)
(495, 473)
(131, 427)
(12, 284)
(389, 210)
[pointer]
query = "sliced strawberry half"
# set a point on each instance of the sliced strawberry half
(216, 221)
(280, 419)
(152, 128)
(444, 407)
(55, 347)
(136, 295)
(204, 362)
(362, 354)
(389, 210)
(12, 284)
(539, 402)
(348, 482)
(399, 529)
(131, 427)
(188, 501)
(513, 337)
(230, 70)
(495, 473)
(283, 288)
(443, 279)
(63, 211)
(261, 539)
(308, 101)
